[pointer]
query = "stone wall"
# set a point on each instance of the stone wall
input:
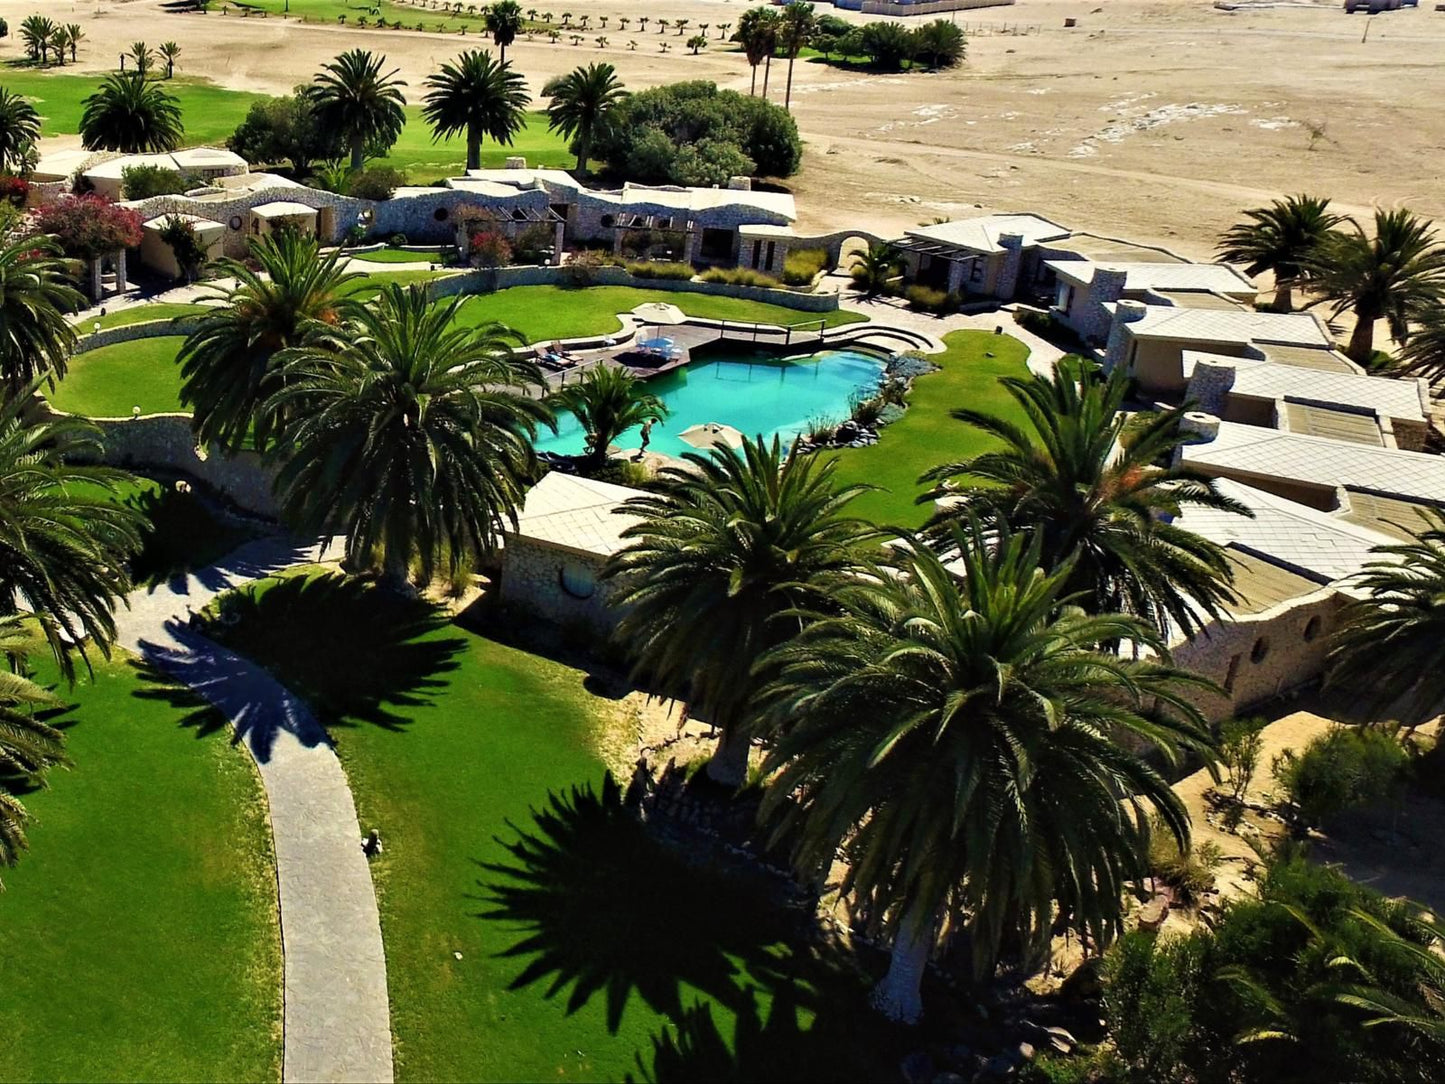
(1117, 351)
(415, 213)
(234, 213)
(125, 333)
(533, 578)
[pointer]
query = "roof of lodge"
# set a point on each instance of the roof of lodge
(282, 208)
(1266, 379)
(1229, 326)
(1188, 277)
(575, 513)
(182, 160)
(981, 234)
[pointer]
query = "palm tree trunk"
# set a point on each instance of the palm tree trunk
(1362, 339)
(767, 71)
(753, 90)
(474, 147)
(358, 151)
(729, 763)
(900, 995)
(584, 150)
(788, 94)
(503, 48)
(1283, 297)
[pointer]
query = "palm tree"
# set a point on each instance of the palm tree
(726, 548)
(1424, 352)
(36, 32)
(798, 25)
(1093, 487)
(169, 52)
(73, 36)
(681, 25)
(19, 129)
(413, 433)
(874, 269)
(352, 96)
(580, 103)
(962, 738)
(478, 96)
(65, 537)
(504, 23)
(131, 114)
(1389, 277)
(696, 42)
(1390, 650)
(1280, 239)
(608, 402)
(35, 294)
(28, 746)
(143, 57)
(229, 365)
(59, 40)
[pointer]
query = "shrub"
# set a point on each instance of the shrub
(886, 45)
(190, 253)
(802, 265)
(927, 299)
(1189, 873)
(739, 276)
(1343, 768)
(533, 244)
(660, 269)
(145, 181)
(1240, 742)
(820, 429)
(356, 234)
(376, 183)
(89, 226)
(489, 248)
(938, 44)
(396, 240)
(581, 267)
(709, 162)
(865, 409)
(14, 190)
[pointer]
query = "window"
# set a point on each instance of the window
(664, 223)
(236, 222)
(975, 270)
(1312, 629)
(1231, 673)
(577, 580)
(1259, 652)
(441, 214)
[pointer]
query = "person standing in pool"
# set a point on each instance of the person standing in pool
(646, 436)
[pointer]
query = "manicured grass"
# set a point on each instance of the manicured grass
(185, 533)
(139, 934)
(580, 955)
(926, 436)
(110, 381)
(140, 314)
(558, 312)
(396, 255)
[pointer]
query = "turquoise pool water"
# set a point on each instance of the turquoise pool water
(755, 394)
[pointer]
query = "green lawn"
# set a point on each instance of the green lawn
(138, 936)
(926, 436)
(580, 955)
(110, 381)
(140, 314)
(395, 255)
(185, 534)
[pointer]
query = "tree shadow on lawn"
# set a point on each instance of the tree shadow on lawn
(185, 535)
(603, 907)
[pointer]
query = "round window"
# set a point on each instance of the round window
(1259, 651)
(577, 580)
(235, 222)
(1312, 629)
(607, 222)
(440, 214)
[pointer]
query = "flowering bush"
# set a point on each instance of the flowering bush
(89, 226)
(488, 248)
(14, 190)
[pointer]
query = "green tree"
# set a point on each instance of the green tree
(504, 23)
(581, 102)
(874, 269)
(354, 97)
(478, 96)
(886, 45)
(966, 738)
(131, 114)
(726, 549)
(35, 295)
(1424, 352)
(1280, 239)
(285, 130)
(36, 32)
(19, 129)
(758, 35)
(939, 44)
(73, 37)
(608, 402)
(413, 433)
(1100, 492)
(229, 366)
(143, 56)
(170, 52)
(1390, 649)
(795, 31)
(696, 43)
(186, 244)
(1389, 276)
(28, 745)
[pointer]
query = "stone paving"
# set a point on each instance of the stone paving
(337, 1017)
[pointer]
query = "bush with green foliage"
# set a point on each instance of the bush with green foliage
(285, 130)
(887, 45)
(89, 226)
(927, 299)
(1240, 742)
(1190, 873)
(938, 44)
(533, 245)
(803, 264)
(145, 181)
(1341, 769)
(695, 133)
(375, 183)
(659, 269)
(186, 244)
(739, 276)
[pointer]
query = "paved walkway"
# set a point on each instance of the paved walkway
(337, 1018)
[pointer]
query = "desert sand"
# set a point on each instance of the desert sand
(1153, 119)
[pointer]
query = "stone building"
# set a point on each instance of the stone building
(202, 165)
(1086, 287)
(1002, 256)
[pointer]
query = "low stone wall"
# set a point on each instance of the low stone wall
(146, 329)
(532, 578)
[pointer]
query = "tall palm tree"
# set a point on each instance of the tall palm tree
(757, 34)
(73, 36)
(413, 433)
(19, 129)
(229, 366)
(131, 114)
(1390, 650)
(1390, 276)
(170, 52)
(960, 736)
(36, 31)
(144, 58)
(504, 23)
(479, 96)
(580, 103)
(798, 25)
(1280, 239)
(1099, 494)
(727, 547)
(1424, 352)
(65, 537)
(608, 402)
(28, 746)
(35, 294)
(354, 97)
(59, 40)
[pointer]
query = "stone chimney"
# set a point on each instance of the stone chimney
(1199, 427)
(516, 161)
(740, 182)
(1008, 276)
(1210, 384)
(1125, 313)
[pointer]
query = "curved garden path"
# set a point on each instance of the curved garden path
(337, 1018)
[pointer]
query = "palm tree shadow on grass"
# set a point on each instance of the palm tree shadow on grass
(602, 907)
(195, 712)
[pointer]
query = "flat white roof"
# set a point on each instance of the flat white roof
(706, 199)
(981, 234)
(1407, 398)
(576, 514)
(1229, 326)
(1298, 457)
(1285, 532)
(282, 209)
(523, 178)
(200, 224)
(1212, 277)
(193, 158)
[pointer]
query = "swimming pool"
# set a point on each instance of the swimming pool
(753, 393)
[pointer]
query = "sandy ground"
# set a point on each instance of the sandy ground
(1155, 119)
